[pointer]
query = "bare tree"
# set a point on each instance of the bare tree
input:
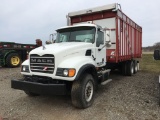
(156, 45)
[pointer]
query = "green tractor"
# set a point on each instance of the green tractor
(12, 54)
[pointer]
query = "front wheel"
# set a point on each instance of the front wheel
(82, 92)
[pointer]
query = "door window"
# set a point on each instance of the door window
(100, 38)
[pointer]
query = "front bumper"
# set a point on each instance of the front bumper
(40, 88)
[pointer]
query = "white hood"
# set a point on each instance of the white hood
(61, 47)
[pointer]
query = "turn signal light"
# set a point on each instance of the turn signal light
(71, 72)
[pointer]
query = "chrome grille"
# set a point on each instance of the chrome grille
(42, 64)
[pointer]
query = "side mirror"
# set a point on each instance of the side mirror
(51, 38)
(108, 43)
(156, 54)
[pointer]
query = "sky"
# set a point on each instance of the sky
(24, 21)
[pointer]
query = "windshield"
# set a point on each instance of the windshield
(76, 34)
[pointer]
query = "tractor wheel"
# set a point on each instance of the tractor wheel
(13, 60)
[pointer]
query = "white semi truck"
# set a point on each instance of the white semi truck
(94, 42)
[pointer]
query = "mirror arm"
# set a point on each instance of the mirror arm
(101, 48)
(104, 45)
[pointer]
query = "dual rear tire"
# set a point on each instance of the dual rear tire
(129, 67)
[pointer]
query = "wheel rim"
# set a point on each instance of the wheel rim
(89, 91)
(132, 69)
(15, 60)
(136, 68)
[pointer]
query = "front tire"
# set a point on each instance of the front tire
(82, 92)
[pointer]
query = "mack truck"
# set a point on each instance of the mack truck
(12, 54)
(94, 42)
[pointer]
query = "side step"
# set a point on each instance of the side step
(105, 77)
(105, 82)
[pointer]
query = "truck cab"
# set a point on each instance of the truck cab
(78, 57)
(89, 35)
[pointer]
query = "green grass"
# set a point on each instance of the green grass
(147, 63)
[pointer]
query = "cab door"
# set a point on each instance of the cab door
(100, 49)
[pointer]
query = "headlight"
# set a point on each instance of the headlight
(66, 72)
(25, 68)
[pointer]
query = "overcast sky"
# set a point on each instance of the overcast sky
(23, 21)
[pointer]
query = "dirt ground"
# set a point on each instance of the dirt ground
(125, 98)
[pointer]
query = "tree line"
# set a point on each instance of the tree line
(152, 48)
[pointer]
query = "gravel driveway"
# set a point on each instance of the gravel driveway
(125, 98)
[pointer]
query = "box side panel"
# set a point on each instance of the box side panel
(129, 38)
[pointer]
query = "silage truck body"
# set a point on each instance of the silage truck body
(95, 41)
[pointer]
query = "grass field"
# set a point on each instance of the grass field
(147, 63)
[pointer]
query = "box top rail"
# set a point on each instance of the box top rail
(93, 10)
